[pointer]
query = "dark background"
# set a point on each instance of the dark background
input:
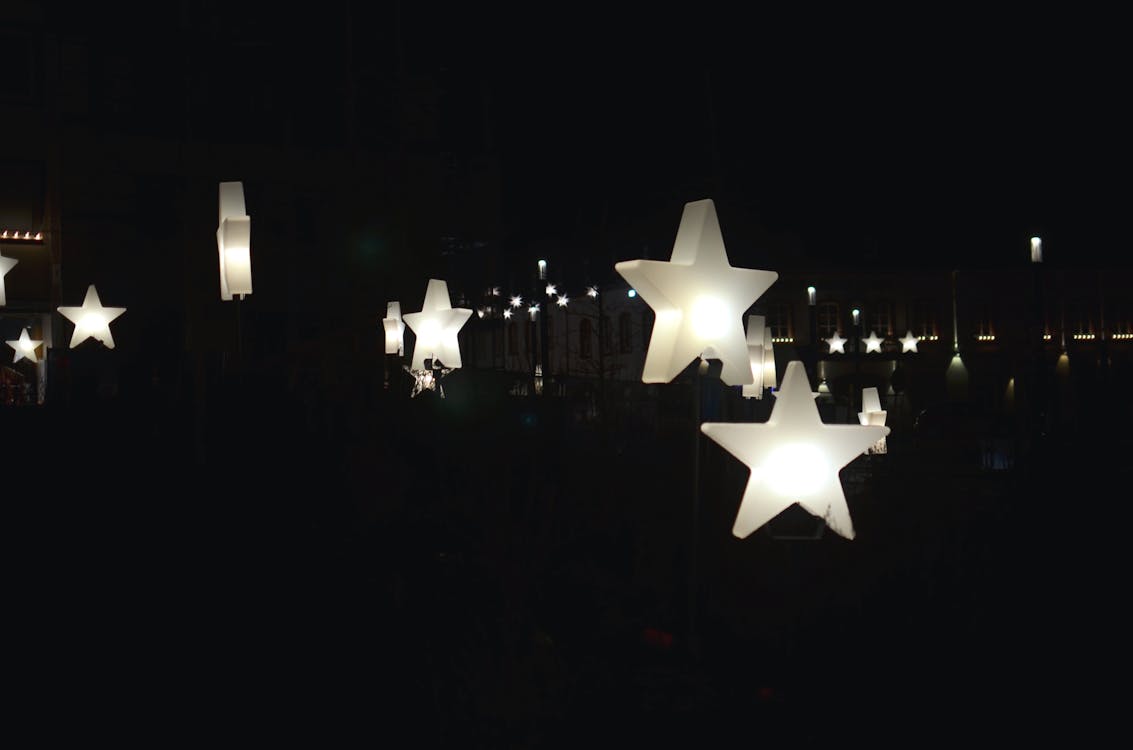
(219, 552)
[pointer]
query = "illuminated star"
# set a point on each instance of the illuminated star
(591, 291)
(6, 265)
(561, 301)
(794, 458)
(92, 320)
(436, 327)
(699, 300)
(507, 313)
(551, 290)
(24, 346)
(516, 301)
(873, 343)
(836, 344)
(909, 343)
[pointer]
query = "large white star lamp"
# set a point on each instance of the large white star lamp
(909, 343)
(436, 327)
(6, 265)
(25, 347)
(794, 458)
(873, 343)
(234, 242)
(92, 320)
(699, 300)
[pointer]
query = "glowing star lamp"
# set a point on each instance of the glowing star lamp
(872, 343)
(25, 347)
(699, 300)
(6, 265)
(394, 329)
(755, 335)
(873, 414)
(909, 343)
(234, 242)
(794, 458)
(92, 320)
(436, 327)
(836, 344)
(769, 374)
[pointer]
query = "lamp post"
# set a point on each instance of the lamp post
(812, 319)
(856, 314)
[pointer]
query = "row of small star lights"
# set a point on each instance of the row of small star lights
(873, 342)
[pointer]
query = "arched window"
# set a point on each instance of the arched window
(625, 333)
(780, 323)
(924, 321)
(585, 335)
(829, 322)
(881, 318)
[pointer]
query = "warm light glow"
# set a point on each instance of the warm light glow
(873, 343)
(986, 337)
(794, 458)
(795, 469)
(436, 328)
(92, 320)
(679, 287)
(811, 293)
(770, 376)
(6, 265)
(709, 317)
(1036, 250)
(836, 344)
(592, 291)
(784, 340)
(25, 347)
(26, 236)
(1084, 336)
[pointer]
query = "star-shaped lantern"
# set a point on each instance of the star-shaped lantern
(25, 347)
(909, 343)
(6, 265)
(836, 344)
(92, 320)
(394, 328)
(872, 413)
(794, 458)
(436, 327)
(872, 343)
(234, 242)
(699, 300)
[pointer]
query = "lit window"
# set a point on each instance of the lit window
(828, 319)
(882, 317)
(780, 324)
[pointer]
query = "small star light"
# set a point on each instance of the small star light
(92, 320)
(234, 242)
(909, 343)
(25, 347)
(699, 300)
(591, 291)
(873, 343)
(794, 458)
(507, 313)
(533, 310)
(517, 301)
(6, 265)
(837, 344)
(436, 327)
(551, 290)
(562, 300)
